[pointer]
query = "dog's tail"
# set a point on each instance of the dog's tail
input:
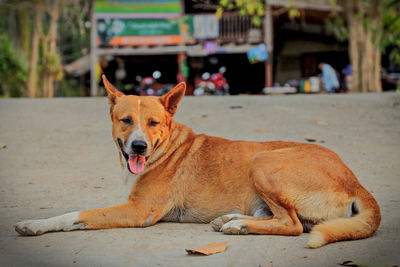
(363, 223)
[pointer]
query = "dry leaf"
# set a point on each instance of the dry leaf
(97, 187)
(236, 107)
(209, 249)
(262, 131)
(311, 139)
(349, 263)
(2, 145)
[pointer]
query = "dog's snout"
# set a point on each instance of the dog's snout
(139, 147)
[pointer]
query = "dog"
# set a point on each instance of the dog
(175, 175)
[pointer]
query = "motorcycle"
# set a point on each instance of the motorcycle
(214, 84)
(148, 86)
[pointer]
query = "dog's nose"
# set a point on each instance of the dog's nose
(139, 147)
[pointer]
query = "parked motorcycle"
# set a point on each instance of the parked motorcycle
(148, 86)
(214, 84)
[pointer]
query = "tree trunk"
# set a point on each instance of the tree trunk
(34, 55)
(377, 70)
(375, 12)
(51, 48)
(365, 57)
(372, 66)
(354, 25)
(367, 61)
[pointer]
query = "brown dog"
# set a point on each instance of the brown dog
(281, 188)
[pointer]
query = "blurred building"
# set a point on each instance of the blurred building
(183, 39)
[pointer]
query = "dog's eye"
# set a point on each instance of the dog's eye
(154, 123)
(127, 121)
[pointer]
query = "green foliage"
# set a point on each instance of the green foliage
(13, 73)
(53, 63)
(253, 8)
(69, 88)
(74, 37)
(73, 42)
(294, 13)
(24, 25)
(386, 33)
(339, 28)
(219, 12)
(391, 30)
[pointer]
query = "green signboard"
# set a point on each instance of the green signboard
(155, 31)
(137, 6)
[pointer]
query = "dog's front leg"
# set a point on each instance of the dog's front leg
(124, 215)
(66, 222)
(129, 214)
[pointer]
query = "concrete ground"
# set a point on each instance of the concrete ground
(59, 157)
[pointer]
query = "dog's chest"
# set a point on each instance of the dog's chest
(187, 215)
(128, 181)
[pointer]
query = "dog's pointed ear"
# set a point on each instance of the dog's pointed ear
(112, 92)
(171, 100)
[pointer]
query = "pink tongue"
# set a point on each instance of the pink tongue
(136, 163)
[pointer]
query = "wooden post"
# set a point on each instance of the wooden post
(93, 58)
(269, 41)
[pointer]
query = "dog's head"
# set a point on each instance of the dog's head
(141, 123)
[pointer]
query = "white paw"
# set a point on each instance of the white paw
(66, 222)
(217, 223)
(316, 239)
(30, 227)
(235, 227)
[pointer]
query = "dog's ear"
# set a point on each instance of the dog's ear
(171, 100)
(113, 93)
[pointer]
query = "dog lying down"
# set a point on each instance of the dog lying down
(175, 175)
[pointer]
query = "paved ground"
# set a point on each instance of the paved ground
(59, 157)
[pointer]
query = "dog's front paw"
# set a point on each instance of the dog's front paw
(29, 227)
(220, 221)
(235, 228)
(217, 223)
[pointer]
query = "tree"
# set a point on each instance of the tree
(34, 54)
(34, 27)
(363, 19)
(253, 8)
(42, 32)
(369, 26)
(51, 58)
(12, 71)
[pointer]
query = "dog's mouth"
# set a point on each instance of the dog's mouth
(134, 162)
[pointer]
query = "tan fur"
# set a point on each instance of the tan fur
(198, 178)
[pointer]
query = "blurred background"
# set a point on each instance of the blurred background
(51, 48)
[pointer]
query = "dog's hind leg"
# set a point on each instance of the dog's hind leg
(284, 222)
(268, 185)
